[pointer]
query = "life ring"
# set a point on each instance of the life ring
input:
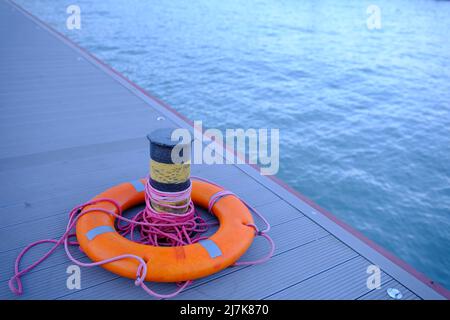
(99, 239)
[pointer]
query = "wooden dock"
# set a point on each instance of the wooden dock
(72, 127)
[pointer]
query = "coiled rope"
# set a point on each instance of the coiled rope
(158, 228)
(154, 228)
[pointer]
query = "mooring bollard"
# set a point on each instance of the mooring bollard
(170, 179)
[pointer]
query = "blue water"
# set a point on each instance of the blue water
(364, 115)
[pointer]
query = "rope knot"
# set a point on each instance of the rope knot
(138, 281)
(16, 289)
(140, 274)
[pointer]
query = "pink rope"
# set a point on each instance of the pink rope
(154, 228)
(165, 228)
(263, 233)
(15, 283)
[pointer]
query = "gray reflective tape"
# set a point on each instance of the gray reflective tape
(212, 248)
(138, 185)
(91, 234)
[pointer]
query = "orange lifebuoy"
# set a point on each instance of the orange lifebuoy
(99, 240)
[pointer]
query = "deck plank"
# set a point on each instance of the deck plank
(334, 283)
(257, 282)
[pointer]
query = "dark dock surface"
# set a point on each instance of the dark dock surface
(72, 127)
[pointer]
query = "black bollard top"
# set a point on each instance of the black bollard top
(161, 145)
